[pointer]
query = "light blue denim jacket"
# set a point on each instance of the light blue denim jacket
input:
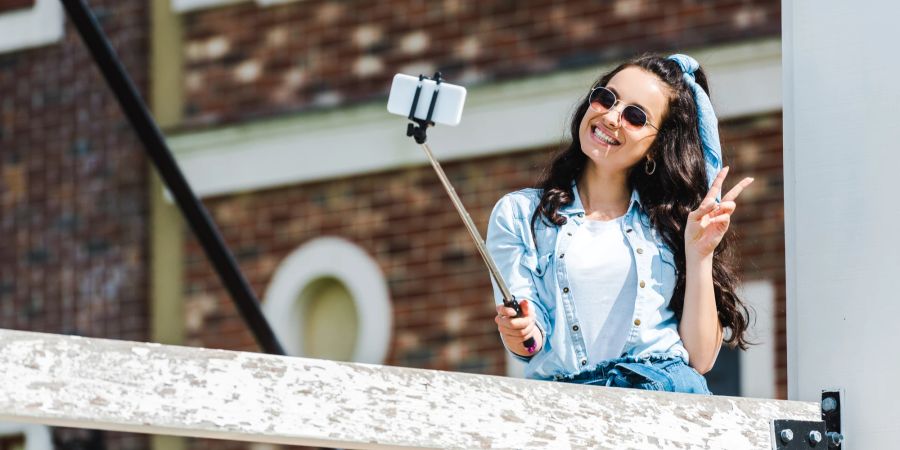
(538, 273)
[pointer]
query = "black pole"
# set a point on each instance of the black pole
(155, 145)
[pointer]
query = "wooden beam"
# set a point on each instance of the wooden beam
(151, 388)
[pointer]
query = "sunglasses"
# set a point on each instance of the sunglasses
(603, 100)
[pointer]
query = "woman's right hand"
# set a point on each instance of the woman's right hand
(516, 330)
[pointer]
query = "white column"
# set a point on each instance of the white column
(841, 160)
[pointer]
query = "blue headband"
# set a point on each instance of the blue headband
(708, 124)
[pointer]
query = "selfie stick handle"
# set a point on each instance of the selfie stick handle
(419, 133)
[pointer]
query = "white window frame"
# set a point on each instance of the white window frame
(39, 25)
(274, 2)
(37, 437)
(757, 363)
(332, 257)
(182, 6)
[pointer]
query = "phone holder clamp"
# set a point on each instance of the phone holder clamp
(417, 130)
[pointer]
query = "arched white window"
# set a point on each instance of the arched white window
(328, 299)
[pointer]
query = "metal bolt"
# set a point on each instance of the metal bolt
(834, 438)
(829, 404)
(814, 437)
(787, 435)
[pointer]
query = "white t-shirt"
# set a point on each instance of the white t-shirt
(603, 278)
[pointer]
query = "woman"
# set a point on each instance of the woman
(619, 258)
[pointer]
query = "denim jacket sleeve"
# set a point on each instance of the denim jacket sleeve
(510, 244)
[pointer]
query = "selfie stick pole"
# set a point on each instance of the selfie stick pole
(417, 131)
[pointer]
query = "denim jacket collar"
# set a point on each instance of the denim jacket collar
(576, 208)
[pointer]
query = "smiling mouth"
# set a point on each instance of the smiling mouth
(603, 137)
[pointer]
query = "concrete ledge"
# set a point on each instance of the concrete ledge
(151, 388)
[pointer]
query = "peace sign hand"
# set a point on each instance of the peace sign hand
(706, 225)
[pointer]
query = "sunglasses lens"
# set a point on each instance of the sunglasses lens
(634, 117)
(602, 99)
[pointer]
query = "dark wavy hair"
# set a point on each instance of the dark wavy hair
(675, 188)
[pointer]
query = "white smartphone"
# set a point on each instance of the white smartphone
(447, 109)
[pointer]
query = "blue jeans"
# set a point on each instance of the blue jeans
(653, 373)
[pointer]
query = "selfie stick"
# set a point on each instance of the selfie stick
(417, 131)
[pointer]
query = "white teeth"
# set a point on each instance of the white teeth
(603, 137)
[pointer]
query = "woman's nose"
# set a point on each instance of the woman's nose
(613, 117)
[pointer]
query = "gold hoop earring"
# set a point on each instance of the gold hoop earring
(647, 166)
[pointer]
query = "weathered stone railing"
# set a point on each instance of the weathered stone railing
(151, 388)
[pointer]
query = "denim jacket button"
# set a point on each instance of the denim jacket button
(628, 230)
(642, 284)
(566, 290)
(637, 322)
(640, 250)
(583, 362)
(562, 255)
(574, 327)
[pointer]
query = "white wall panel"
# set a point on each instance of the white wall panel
(841, 155)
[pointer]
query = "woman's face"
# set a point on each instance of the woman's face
(605, 139)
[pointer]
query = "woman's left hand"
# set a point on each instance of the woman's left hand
(706, 225)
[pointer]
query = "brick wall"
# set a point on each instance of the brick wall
(12, 5)
(73, 208)
(246, 61)
(753, 147)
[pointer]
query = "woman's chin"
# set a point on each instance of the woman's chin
(602, 152)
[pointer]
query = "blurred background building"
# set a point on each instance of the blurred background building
(276, 112)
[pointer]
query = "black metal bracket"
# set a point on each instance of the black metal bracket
(798, 435)
(417, 129)
(822, 434)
